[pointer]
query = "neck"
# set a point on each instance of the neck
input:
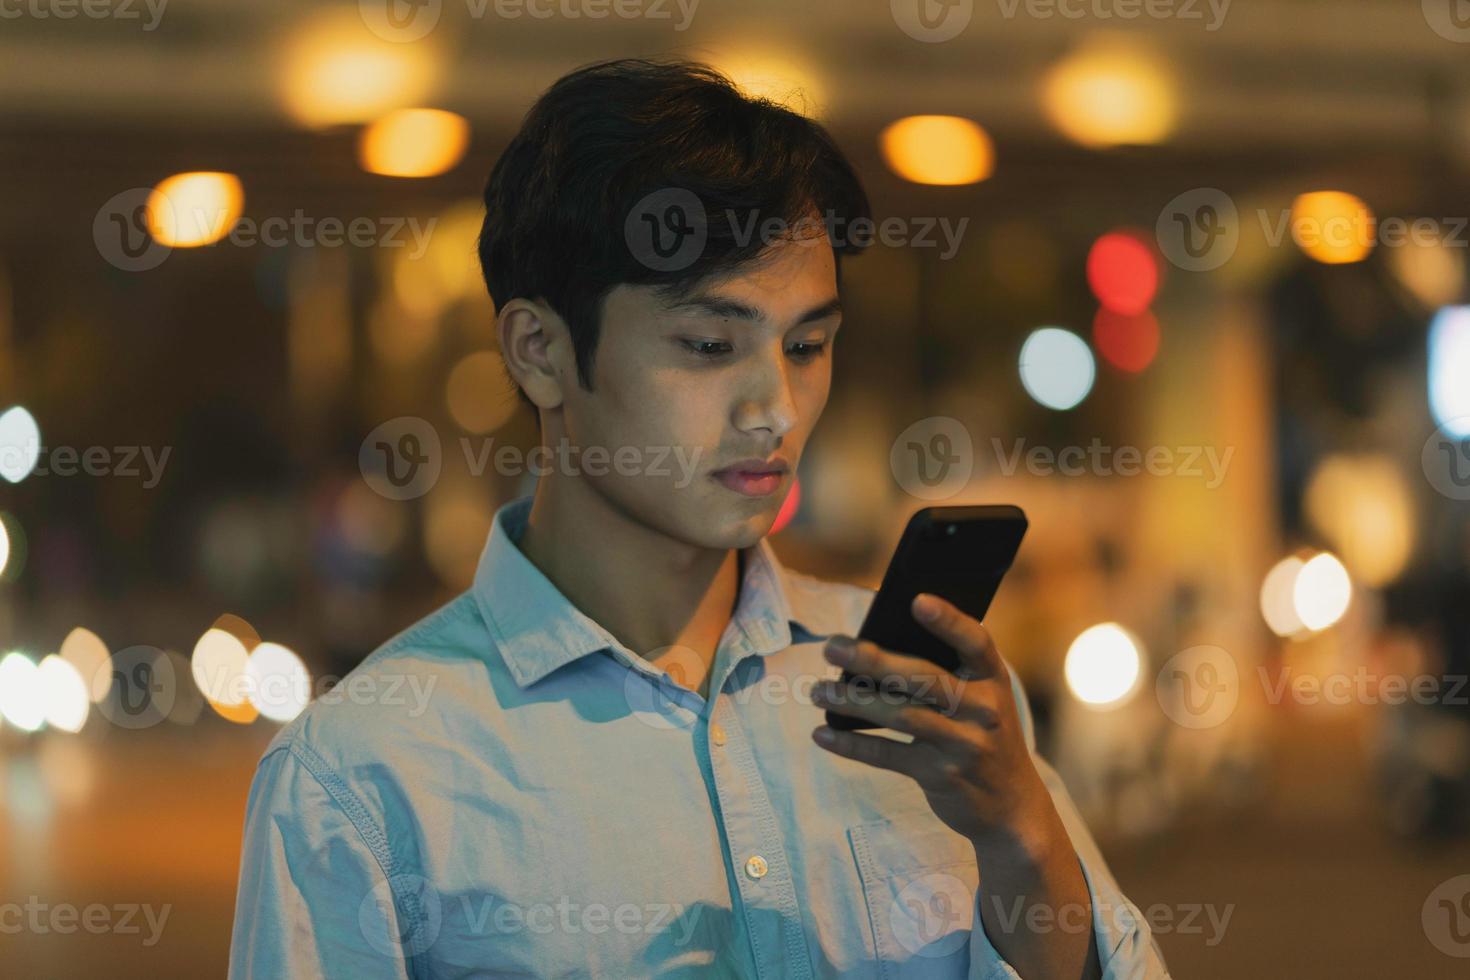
(647, 589)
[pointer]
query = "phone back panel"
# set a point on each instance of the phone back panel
(964, 566)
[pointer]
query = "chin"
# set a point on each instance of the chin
(730, 527)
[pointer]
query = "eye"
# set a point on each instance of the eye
(708, 349)
(808, 350)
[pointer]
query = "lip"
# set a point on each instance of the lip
(753, 477)
(756, 467)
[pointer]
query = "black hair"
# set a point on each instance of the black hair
(574, 204)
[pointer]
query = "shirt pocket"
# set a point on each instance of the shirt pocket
(919, 881)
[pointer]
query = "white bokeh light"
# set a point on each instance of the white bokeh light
(85, 651)
(1449, 370)
(20, 692)
(279, 683)
(20, 444)
(1322, 591)
(1057, 368)
(65, 699)
(1278, 597)
(219, 667)
(1103, 665)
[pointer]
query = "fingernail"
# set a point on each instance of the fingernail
(840, 650)
(823, 735)
(926, 607)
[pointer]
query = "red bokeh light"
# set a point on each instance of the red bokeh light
(788, 508)
(1123, 273)
(1126, 342)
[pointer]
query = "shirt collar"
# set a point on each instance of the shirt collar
(537, 629)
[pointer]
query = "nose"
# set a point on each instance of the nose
(766, 402)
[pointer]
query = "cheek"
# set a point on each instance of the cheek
(811, 395)
(688, 409)
(822, 386)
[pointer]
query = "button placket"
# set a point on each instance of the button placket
(757, 849)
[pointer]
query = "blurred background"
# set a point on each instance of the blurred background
(1185, 280)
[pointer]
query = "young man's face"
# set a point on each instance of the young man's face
(738, 371)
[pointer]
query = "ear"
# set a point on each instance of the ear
(537, 349)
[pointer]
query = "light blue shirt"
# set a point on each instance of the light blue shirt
(504, 789)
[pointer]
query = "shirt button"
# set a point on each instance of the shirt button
(756, 866)
(716, 734)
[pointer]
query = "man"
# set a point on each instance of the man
(622, 770)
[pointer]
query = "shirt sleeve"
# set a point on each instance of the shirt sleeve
(313, 898)
(1126, 947)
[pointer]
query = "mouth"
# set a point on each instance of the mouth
(753, 477)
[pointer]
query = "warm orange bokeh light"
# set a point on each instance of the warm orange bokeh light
(942, 150)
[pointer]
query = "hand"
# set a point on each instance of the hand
(969, 753)
(971, 759)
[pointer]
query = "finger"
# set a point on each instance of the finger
(911, 675)
(884, 706)
(965, 634)
(873, 750)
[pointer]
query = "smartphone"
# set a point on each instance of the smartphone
(957, 553)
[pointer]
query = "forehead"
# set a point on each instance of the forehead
(789, 282)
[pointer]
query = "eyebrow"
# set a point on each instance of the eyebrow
(734, 309)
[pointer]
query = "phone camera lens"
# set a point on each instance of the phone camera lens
(950, 529)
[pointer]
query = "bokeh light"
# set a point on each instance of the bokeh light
(1278, 597)
(1122, 273)
(789, 506)
(280, 686)
(1449, 370)
(1057, 368)
(85, 651)
(1111, 92)
(197, 208)
(334, 70)
(65, 698)
(20, 444)
(941, 150)
(1333, 227)
(21, 700)
(413, 143)
(237, 627)
(1103, 665)
(14, 537)
(1322, 591)
(1128, 343)
(1364, 507)
(782, 76)
(218, 666)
